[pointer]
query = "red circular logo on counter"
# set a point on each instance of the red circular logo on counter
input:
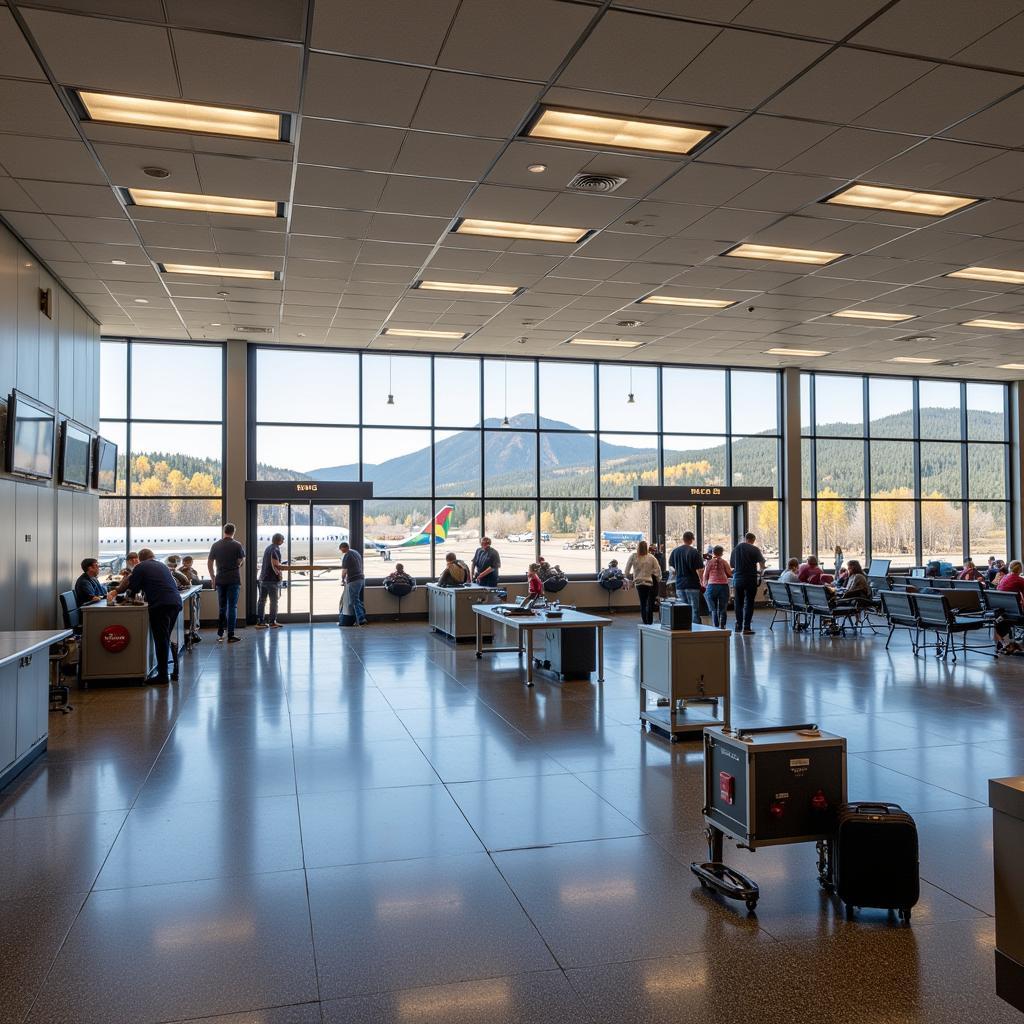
(115, 638)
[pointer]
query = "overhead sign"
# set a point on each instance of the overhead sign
(712, 495)
(115, 638)
(317, 490)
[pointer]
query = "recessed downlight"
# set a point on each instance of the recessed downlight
(871, 314)
(403, 332)
(900, 200)
(808, 353)
(138, 111)
(677, 300)
(472, 289)
(605, 342)
(536, 168)
(994, 325)
(515, 229)
(161, 200)
(243, 272)
(989, 274)
(613, 131)
(784, 254)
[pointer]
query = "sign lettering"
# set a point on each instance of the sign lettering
(305, 487)
(115, 638)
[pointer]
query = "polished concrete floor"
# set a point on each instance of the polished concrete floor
(370, 826)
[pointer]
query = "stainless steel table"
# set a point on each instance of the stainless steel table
(526, 625)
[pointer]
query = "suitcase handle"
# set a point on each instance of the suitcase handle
(883, 808)
(776, 728)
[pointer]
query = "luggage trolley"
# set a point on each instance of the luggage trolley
(769, 786)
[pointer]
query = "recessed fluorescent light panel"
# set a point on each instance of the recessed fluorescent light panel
(868, 314)
(472, 289)
(612, 131)
(810, 353)
(784, 253)
(1012, 366)
(900, 200)
(249, 275)
(402, 332)
(990, 274)
(994, 325)
(205, 204)
(513, 229)
(181, 117)
(606, 342)
(675, 300)
(912, 359)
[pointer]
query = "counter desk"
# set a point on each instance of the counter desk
(450, 609)
(24, 697)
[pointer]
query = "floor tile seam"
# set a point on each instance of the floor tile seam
(231, 1013)
(959, 899)
(604, 800)
(201, 878)
(907, 775)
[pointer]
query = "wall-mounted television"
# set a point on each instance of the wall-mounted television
(75, 453)
(104, 466)
(30, 436)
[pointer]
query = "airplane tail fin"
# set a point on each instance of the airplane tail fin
(439, 526)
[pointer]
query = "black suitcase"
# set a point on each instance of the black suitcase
(675, 614)
(875, 858)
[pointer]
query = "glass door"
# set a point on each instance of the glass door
(298, 554)
(330, 526)
(717, 526)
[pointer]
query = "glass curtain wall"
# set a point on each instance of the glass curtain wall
(909, 470)
(541, 455)
(163, 404)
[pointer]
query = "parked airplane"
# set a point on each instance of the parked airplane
(437, 528)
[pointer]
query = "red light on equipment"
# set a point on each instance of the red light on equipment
(727, 787)
(819, 802)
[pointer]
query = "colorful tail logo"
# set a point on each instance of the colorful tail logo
(440, 524)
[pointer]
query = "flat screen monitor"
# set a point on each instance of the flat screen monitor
(75, 450)
(30, 436)
(104, 466)
(879, 566)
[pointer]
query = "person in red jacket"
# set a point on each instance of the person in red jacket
(1013, 580)
(810, 572)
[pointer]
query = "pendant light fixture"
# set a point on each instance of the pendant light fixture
(391, 397)
(630, 397)
(504, 422)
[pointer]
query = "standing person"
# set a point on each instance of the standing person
(687, 564)
(745, 559)
(88, 589)
(643, 569)
(155, 581)
(716, 580)
(225, 568)
(486, 564)
(353, 581)
(269, 583)
(839, 561)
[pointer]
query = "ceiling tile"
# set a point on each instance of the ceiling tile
(316, 220)
(49, 160)
(16, 57)
(362, 90)
(113, 231)
(239, 176)
(930, 163)
(329, 186)
(277, 19)
(124, 165)
(399, 30)
(339, 144)
(474, 106)
(765, 142)
(446, 156)
(809, 17)
(999, 49)
(435, 197)
(76, 200)
(851, 152)
(999, 125)
(31, 108)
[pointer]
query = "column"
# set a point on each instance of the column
(1014, 529)
(792, 475)
(236, 461)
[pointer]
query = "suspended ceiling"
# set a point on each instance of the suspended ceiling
(406, 115)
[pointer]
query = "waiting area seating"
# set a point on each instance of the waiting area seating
(923, 614)
(814, 607)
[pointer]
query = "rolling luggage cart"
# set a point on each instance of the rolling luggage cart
(768, 787)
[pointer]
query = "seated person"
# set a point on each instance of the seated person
(455, 573)
(187, 569)
(792, 569)
(1012, 580)
(856, 590)
(88, 589)
(536, 584)
(173, 562)
(970, 572)
(810, 572)
(131, 560)
(400, 576)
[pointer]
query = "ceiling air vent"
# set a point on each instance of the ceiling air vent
(595, 183)
(955, 362)
(243, 329)
(629, 323)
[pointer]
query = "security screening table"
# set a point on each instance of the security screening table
(526, 625)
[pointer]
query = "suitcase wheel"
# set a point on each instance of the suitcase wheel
(751, 906)
(849, 912)
(905, 915)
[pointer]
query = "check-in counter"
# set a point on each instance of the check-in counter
(24, 697)
(1006, 797)
(450, 609)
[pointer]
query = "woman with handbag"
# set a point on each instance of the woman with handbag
(645, 572)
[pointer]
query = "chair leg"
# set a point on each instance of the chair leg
(892, 629)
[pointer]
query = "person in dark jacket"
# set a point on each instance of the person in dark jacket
(154, 581)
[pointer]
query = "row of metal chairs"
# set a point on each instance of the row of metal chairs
(811, 606)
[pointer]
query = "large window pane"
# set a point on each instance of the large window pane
(892, 468)
(942, 532)
(156, 369)
(118, 433)
(306, 386)
(694, 460)
(567, 535)
(805, 404)
(397, 461)
(291, 453)
(839, 405)
(987, 521)
(567, 465)
(627, 460)
(694, 400)
(755, 402)
(510, 462)
(806, 481)
(807, 517)
(456, 392)
(891, 407)
(114, 380)
(764, 523)
(679, 519)
(893, 532)
(113, 539)
(986, 412)
(388, 524)
(176, 458)
(457, 462)
(567, 395)
(623, 523)
(755, 462)
(406, 380)
(509, 391)
(464, 532)
(840, 523)
(941, 476)
(940, 408)
(986, 471)
(512, 527)
(840, 467)
(175, 526)
(617, 383)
